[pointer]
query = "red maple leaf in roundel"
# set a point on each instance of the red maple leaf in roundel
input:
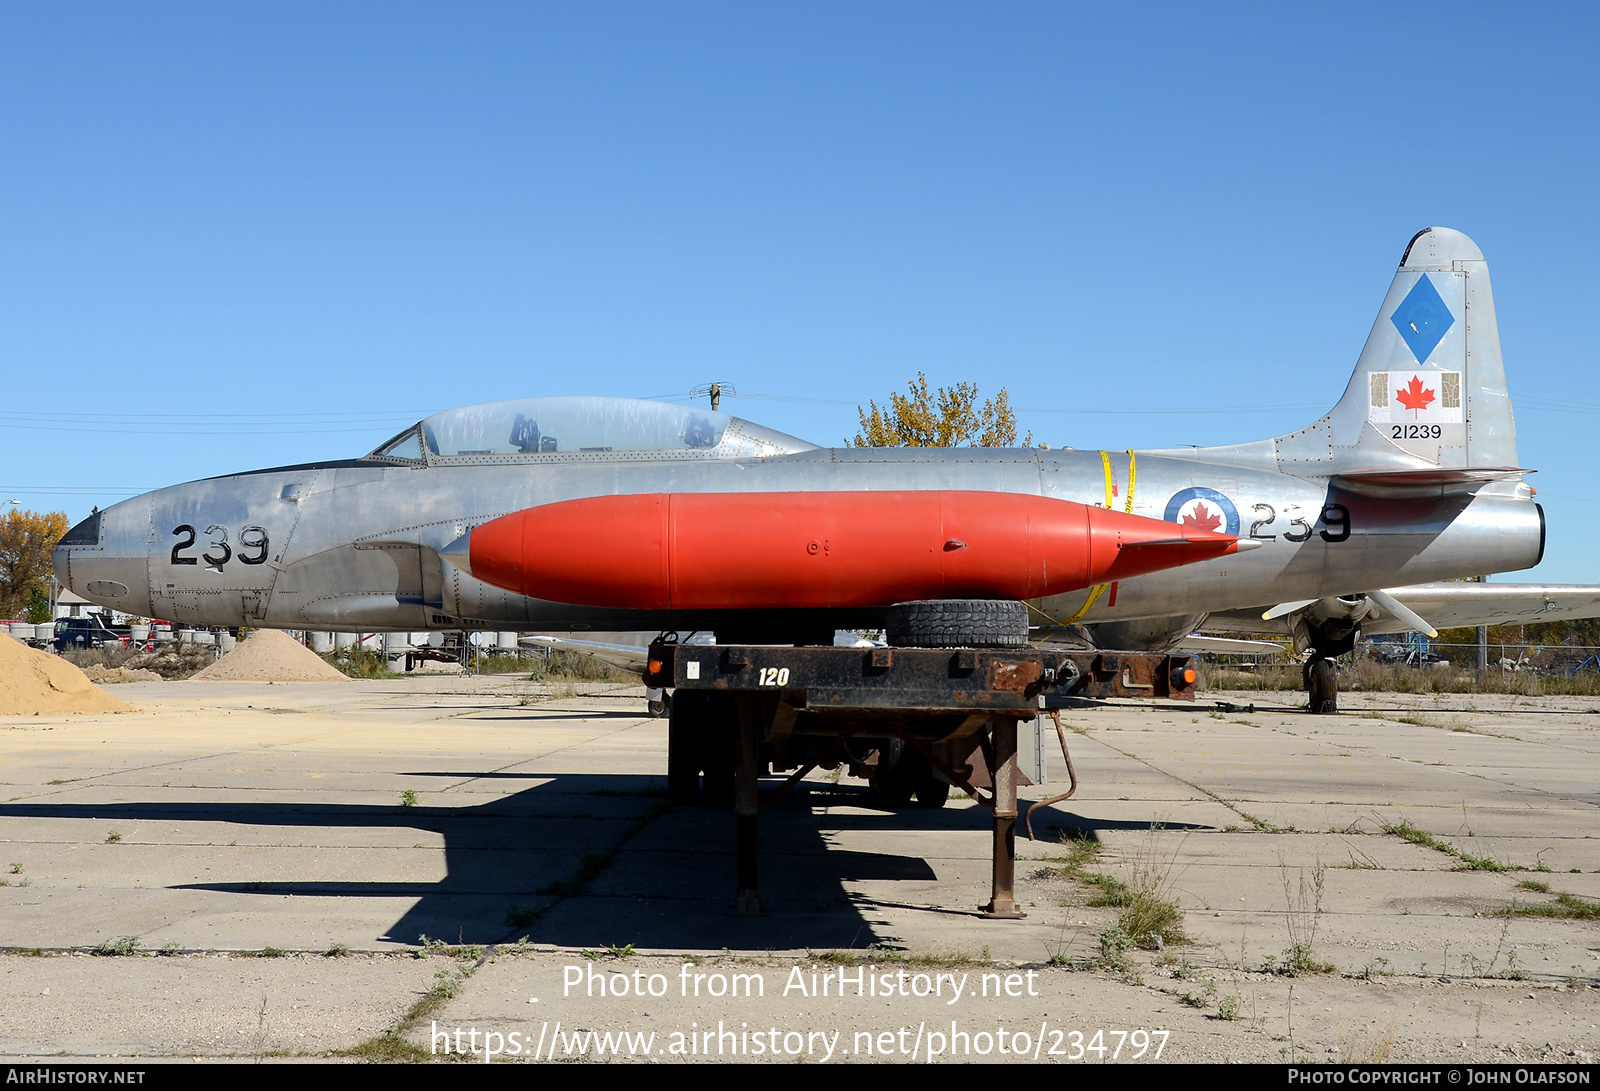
(1202, 519)
(1414, 395)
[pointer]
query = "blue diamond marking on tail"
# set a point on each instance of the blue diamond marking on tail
(1422, 319)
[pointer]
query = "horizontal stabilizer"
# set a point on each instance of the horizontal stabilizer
(1401, 484)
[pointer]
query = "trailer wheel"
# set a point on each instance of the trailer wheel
(685, 746)
(932, 792)
(893, 782)
(958, 623)
(1322, 679)
(903, 774)
(716, 755)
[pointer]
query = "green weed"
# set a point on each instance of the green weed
(1468, 862)
(122, 945)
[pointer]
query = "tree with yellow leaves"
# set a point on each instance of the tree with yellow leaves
(27, 538)
(948, 417)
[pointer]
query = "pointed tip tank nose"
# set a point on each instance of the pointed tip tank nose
(458, 554)
(1126, 545)
(662, 551)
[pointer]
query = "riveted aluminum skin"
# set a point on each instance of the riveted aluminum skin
(1381, 493)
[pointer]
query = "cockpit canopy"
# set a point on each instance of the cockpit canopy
(582, 428)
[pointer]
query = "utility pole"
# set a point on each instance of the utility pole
(714, 391)
(1483, 640)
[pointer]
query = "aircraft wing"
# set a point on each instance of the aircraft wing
(628, 657)
(1448, 606)
(1459, 605)
(1221, 645)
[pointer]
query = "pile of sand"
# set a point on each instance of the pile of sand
(104, 675)
(35, 683)
(270, 656)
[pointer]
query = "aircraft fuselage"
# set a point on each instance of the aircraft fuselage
(355, 545)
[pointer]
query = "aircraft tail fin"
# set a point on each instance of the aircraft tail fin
(1429, 390)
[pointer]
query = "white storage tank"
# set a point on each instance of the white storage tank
(395, 647)
(341, 641)
(506, 642)
(226, 642)
(321, 643)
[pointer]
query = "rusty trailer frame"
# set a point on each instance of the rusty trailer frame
(739, 709)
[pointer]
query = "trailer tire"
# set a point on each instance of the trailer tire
(958, 623)
(932, 790)
(904, 774)
(717, 758)
(893, 781)
(685, 746)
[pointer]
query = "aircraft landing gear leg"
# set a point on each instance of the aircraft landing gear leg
(1322, 681)
(1002, 901)
(746, 807)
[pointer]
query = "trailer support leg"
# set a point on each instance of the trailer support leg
(746, 808)
(1002, 901)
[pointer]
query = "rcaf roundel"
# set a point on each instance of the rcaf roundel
(1203, 509)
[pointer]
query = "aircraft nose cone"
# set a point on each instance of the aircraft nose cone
(104, 559)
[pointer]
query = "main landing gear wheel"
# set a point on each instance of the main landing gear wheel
(1322, 680)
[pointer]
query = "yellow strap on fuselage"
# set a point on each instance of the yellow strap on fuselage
(1100, 588)
(1133, 469)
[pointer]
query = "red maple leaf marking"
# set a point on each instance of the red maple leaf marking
(1414, 395)
(1202, 519)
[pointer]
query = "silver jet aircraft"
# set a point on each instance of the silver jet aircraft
(1412, 478)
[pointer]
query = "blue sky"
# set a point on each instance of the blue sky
(240, 235)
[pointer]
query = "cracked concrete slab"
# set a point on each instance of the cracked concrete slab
(225, 818)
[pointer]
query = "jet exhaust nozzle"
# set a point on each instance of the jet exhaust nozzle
(718, 551)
